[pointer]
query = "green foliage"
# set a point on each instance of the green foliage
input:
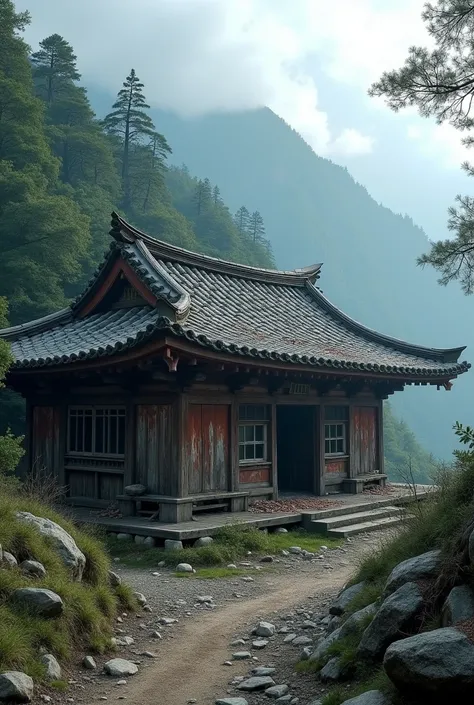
(439, 82)
(405, 459)
(230, 543)
(90, 606)
(55, 67)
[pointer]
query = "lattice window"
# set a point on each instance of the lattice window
(253, 433)
(96, 430)
(335, 430)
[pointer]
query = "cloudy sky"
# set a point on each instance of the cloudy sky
(311, 61)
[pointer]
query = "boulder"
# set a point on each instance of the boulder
(135, 490)
(63, 543)
(265, 629)
(149, 542)
(203, 541)
(184, 568)
(256, 683)
(421, 567)
(39, 601)
(172, 545)
(333, 671)
(324, 645)
(371, 697)
(114, 579)
(345, 598)
(124, 537)
(334, 623)
(357, 620)
(139, 540)
(396, 618)
(437, 664)
(53, 669)
(459, 606)
(120, 668)
(15, 687)
(9, 559)
(33, 568)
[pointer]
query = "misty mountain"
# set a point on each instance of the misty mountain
(315, 211)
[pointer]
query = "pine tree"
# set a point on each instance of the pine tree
(242, 220)
(130, 122)
(202, 195)
(55, 67)
(216, 196)
(440, 83)
(256, 227)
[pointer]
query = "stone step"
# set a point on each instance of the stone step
(344, 532)
(323, 525)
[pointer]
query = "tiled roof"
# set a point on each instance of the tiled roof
(249, 312)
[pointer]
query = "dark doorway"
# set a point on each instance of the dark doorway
(296, 448)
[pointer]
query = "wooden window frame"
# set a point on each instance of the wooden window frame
(93, 409)
(255, 423)
(342, 432)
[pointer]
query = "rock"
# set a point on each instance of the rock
(286, 699)
(263, 671)
(334, 623)
(53, 669)
(371, 697)
(232, 566)
(256, 683)
(203, 541)
(33, 568)
(324, 645)
(354, 623)
(114, 579)
(204, 599)
(345, 598)
(438, 664)
(265, 629)
(140, 598)
(396, 618)
(259, 643)
(167, 621)
(139, 540)
(306, 653)
(171, 545)
(247, 579)
(15, 687)
(410, 571)
(296, 550)
(289, 638)
(241, 655)
(63, 542)
(184, 568)
(135, 490)
(277, 691)
(39, 601)
(149, 542)
(266, 559)
(459, 606)
(332, 671)
(231, 701)
(308, 624)
(281, 530)
(9, 559)
(119, 668)
(156, 635)
(302, 641)
(89, 663)
(124, 537)
(238, 642)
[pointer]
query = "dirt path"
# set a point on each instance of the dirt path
(191, 667)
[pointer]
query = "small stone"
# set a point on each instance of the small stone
(120, 667)
(277, 691)
(241, 655)
(289, 638)
(238, 642)
(306, 653)
(247, 579)
(11, 561)
(140, 598)
(308, 624)
(184, 568)
(281, 530)
(114, 579)
(204, 599)
(33, 568)
(161, 564)
(266, 559)
(171, 545)
(232, 566)
(156, 635)
(203, 541)
(302, 641)
(259, 643)
(231, 701)
(263, 671)
(167, 621)
(149, 542)
(45, 698)
(89, 663)
(53, 669)
(124, 537)
(16, 687)
(148, 654)
(139, 539)
(146, 608)
(256, 683)
(265, 629)
(296, 550)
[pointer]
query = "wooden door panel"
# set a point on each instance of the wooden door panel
(194, 448)
(364, 440)
(215, 447)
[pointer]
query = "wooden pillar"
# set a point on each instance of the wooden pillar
(130, 440)
(234, 446)
(182, 483)
(62, 444)
(320, 455)
(380, 446)
(273, 446)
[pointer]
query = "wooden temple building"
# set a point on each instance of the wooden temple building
(210, 383)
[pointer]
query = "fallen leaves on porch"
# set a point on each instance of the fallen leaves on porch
(295, 504)
(388, 489)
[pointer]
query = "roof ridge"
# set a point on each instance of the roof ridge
(37, 325)
(441, 354)
(125, 233)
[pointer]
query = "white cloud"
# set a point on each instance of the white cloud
(352, 143)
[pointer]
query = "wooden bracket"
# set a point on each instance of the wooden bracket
(171, 360)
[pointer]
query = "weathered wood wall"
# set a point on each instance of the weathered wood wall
(155, 465)
(45, 440)
(363, 445)
(206, 448)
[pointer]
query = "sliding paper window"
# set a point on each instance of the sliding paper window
(96, 430)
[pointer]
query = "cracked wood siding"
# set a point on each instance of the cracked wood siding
(363, 446)
(207, 448)
(45, 445)
(154, 460)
